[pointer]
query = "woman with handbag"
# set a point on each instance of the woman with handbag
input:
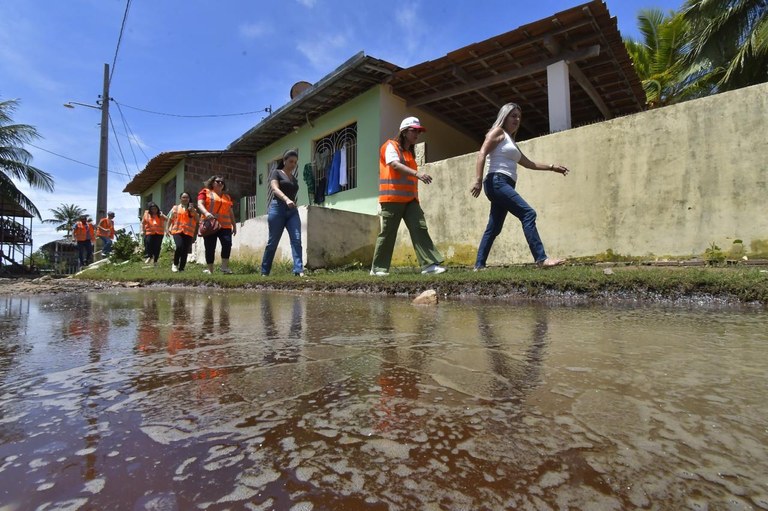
(153, 225)
(182, 226)
(283, 214)
(214, 204)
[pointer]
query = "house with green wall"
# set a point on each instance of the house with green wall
(566, 70)
(352, 109)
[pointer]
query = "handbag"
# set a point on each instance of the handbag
(209, 226)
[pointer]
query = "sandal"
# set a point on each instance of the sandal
(550, 263)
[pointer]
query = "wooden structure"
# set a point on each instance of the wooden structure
(466, 87)
(15, 236)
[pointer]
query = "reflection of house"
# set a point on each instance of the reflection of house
(15, 236)
(568, 69)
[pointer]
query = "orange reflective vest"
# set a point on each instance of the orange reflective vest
(106, 228)
(394, 186)
(153, 224)
(83, 231)
(219, 206)
(183, 221)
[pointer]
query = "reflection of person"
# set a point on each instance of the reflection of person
(182, 225)
(283, 213)
(399, 200)
(153, 225)
(503, 156)
(212, 202)
(84, 235)
(106, 232)
(281, 348)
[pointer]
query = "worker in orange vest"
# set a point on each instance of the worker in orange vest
(153, 225)
(84, 235)
(182, 227)
(399, 178)
(106, 232)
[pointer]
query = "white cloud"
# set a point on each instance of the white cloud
(324, 53)
(72, 192)
(137, 140)
(254, 30)
(406, 17)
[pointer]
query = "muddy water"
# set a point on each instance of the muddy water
(191, 400)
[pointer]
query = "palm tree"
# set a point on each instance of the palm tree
(66, 217)
(658, 59)
(730, 37)
(14, 159)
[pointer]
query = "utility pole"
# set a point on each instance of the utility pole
(101, 192)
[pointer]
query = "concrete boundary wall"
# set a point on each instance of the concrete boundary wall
(666, 182)
(330, 238)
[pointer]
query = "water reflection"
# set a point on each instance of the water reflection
(179, 400)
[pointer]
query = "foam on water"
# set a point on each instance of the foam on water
(272, 408)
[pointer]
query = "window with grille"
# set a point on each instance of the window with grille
(270, 167)
(343, 140)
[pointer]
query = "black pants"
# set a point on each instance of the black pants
(152, 245)
(222, 235)
(183, 244)
(85, 252)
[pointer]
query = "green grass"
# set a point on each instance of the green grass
(743, 283)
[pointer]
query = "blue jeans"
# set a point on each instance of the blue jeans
(500, 190)
(107, 248)
(281, 217)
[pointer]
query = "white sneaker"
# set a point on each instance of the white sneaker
(379, 273)
(433, 269)
(147, 260)
(174, 268)
(207, 271)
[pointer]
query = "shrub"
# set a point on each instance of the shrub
(126, 247)
(714, 255)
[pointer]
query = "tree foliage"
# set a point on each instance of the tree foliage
(730, 39)
(14, 159)
(709, 46)
(65, 216)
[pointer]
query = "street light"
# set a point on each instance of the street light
(101, 191)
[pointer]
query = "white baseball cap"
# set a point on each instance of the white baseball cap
(411, 122)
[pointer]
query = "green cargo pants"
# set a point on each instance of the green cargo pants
(413, 215)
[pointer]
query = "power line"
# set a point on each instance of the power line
(62, 156)
(129, 134)
(119, 39)
(119, 148)
(74, 160)
(267, 109)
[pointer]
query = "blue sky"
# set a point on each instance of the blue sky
(200, 57)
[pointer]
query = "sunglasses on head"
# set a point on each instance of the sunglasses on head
(218, 181)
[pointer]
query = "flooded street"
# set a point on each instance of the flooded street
(176, 400)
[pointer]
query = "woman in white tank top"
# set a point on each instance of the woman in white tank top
(503, 156)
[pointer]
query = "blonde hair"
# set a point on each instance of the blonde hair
(503, 114)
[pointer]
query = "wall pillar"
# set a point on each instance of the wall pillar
(559, 96)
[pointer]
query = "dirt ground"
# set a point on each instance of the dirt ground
(50, 285)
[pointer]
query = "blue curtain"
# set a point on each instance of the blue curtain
(333, 175)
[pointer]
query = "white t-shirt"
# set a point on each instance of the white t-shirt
(504, 158)
(390, 154)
